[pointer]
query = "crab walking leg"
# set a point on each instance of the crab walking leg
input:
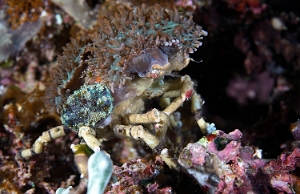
(175, 119)
(136, 132)
(81, 155)
(197, 103)
(185, 92)
(152, 116)
(165, 156)
(160, 119)
(171, 94)
(46, 136)
(164, 102)
(162, 127)
(89, 136)
(196, 106)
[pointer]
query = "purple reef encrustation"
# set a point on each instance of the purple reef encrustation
(222, 165)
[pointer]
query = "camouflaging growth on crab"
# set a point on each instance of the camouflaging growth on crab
(144, 42)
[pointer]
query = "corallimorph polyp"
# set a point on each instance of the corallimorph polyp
(87, 106)
(141, 41)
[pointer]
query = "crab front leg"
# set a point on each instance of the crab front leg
(46, 137)
(137, 132)
(185, 92)
(89, 136)
(82, 151)
(158, 118)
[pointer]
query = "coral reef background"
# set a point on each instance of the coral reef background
(247, 71)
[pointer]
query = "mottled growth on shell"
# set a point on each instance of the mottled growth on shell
(87, 106)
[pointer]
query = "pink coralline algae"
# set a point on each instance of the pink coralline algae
(131, 175)
(279, 171)
(222, 165)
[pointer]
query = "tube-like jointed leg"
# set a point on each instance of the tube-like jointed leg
(136, 132)
(46, 137)
(89, 136)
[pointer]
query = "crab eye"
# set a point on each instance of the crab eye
(169, 50)
(87, 106)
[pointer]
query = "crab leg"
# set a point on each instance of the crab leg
(46, 136)
(165, 156)
(152, 116)
(81, 155)
(136, 132)
(186, 92)
(197, 104)
(89, 136)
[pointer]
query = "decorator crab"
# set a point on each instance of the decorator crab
(104, 84)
